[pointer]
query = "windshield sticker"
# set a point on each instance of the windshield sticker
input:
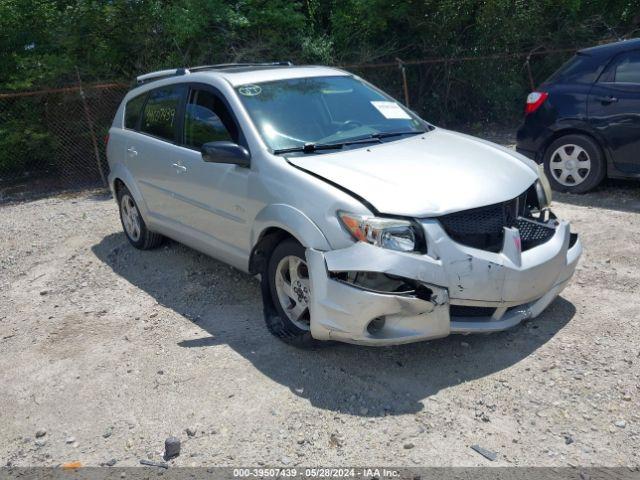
(391, 110)
(250, 90)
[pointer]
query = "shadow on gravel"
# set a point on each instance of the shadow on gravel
(612, 194)
(363, 381)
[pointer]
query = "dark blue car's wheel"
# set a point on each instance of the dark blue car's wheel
(574, 163)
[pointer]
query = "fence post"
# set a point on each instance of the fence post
(405, 86)
(94, 140)
(527, 63)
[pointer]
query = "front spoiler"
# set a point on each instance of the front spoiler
(519, 285)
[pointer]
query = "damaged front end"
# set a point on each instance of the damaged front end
(479, 270)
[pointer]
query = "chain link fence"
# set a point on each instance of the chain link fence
(460, 92)
(54, 139)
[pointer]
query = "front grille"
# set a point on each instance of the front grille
(470, 311)
(482, 227)
(533, 233)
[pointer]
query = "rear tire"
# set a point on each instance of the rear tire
(133, 224)
(574, 163)
(289, 286)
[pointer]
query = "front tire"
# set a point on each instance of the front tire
(574, 164)
(289, 285)
(133, 224)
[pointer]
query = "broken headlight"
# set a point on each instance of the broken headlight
(543, 189)
(392, 233)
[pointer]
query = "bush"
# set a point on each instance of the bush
(24, 147)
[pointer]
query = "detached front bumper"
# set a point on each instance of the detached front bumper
(456, 284)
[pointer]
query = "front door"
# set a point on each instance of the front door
(212, 199)
(614, 110)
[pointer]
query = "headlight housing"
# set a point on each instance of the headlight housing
(392, 233)
(543, 189)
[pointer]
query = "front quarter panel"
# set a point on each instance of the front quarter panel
(292, 220)
(301, 204)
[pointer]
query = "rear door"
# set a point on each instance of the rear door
(614, 110)
(153, 152)
(213, 198)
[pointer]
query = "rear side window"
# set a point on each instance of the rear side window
(207, 119)
(132, 111)
(161, 112)
(579, 69)
(627, 68)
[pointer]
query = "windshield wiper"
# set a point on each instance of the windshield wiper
(396, 134)
(314, 147)
(374, 137)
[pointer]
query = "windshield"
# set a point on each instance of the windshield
(323, 110)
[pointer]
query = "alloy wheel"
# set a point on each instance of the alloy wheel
(130, 217)
(293, 290)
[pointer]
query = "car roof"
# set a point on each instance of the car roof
(241, 74)
(611, 48)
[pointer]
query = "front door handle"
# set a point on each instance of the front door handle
(179, 168)
(132, 151)
(607, 100)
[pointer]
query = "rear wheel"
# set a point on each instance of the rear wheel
(574, 163)
(133, 224)
(290, 289)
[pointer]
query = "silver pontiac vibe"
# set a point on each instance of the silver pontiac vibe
(366, 223)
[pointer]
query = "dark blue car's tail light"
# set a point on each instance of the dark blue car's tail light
(534, 101)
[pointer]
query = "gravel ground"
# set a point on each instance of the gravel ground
(105, 351)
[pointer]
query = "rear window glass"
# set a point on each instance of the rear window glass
(132, 112)
(579, 69)
(160, 112)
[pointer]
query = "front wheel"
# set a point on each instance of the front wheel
(290, 288)
(574, 164)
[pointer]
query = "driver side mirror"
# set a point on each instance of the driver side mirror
(226, 152)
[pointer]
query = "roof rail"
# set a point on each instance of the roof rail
(174, 72)
(160, 74)
(221, 66)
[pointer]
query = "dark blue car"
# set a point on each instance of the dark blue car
(583, 122)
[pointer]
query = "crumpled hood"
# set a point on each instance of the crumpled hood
(426, 175)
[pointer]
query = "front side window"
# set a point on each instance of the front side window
(207, 119)
(627, 68)
(132, 111)
(319, 110)
(160, 112)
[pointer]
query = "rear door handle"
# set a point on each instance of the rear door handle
(607, 100)
(132, 151)
(179, 168)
